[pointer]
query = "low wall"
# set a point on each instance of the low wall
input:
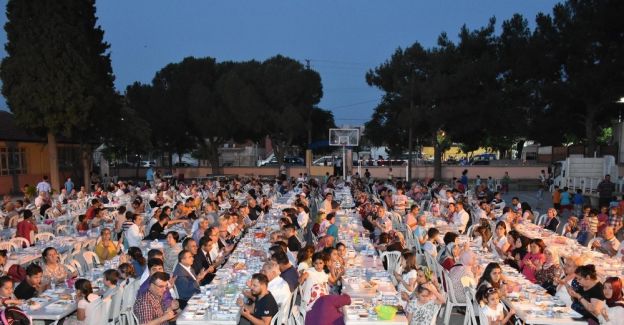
(448, 172)
(195, 172)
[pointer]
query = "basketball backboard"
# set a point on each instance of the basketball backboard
(344, 137)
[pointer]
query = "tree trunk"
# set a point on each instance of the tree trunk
(53, 156)
(86, 164)
(590, 130)
(437, 159)
(213, 150)
(520, 148)
(409, 155)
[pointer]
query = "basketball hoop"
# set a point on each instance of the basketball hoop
(344, 138)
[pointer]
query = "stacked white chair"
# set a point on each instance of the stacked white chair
(45, 236)
(97, 311)
(20, 242)
(9, 246)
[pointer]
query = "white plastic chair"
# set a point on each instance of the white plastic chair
(471, 229)
(451, 297)
(542, 219)
(434, 266)
(9, 246)
(392, 259)
(45, 236)
(127, 301)
(115, 311)
(62, 230)
(409, 239)
(470, 317)
(77, 267)
(91, 259)
(97, 311)
(20, 241)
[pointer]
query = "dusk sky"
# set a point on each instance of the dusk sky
(341, 38)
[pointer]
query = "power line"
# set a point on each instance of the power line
(354, 104)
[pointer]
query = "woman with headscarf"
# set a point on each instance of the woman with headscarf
(464, 274)
(549, 271)
(449, 256)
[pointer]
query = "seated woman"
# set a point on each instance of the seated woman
(568, 279)
(482, 235)
(106, 249)
(53, 270)
(465, 273)
(590, 295)
(137, 260)
(549, 271)
(571, 229)
(126, 273)
(533, 259)
(499, 242)
(407, 278)
(520, 249)
(493, 278)
(612, 311)
(449, 256)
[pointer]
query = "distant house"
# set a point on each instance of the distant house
(24, 157)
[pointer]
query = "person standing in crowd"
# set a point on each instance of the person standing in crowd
(606, 188)
(44, 186)
(69, 185)
(149, 176)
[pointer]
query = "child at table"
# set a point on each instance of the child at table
(492, 308)
(421, 311)
(435, 207)
(6, 292)
(84, 296)
(314, 281)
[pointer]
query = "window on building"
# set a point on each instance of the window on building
(68, 158)
(12, 161)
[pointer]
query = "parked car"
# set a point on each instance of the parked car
(148, 163)
(182, 164)
(294, 161)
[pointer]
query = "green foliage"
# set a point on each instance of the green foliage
(557, 82)
(57, 75)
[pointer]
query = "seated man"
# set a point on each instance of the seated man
(607, 244)
(31, 286)
(155, 265)
(264, 307)
(290, 233)
(149, 306)
(186, 280)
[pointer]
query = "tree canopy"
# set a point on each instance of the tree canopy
(553, 83)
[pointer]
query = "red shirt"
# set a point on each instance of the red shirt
(603, 221)
(24, 228)
(90, 214)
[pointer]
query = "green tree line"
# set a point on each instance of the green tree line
(555, 83)
(58, 82)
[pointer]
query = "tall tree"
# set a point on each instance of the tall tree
(587, 45)
(289, 92)
(57, 75)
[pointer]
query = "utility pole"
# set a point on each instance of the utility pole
(307, 64)
(411, 128)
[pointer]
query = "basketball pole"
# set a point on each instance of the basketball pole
(344, 162)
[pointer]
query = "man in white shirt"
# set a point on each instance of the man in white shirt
(44, 186)
(277, 285)
(461, 217)
(134, 234)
